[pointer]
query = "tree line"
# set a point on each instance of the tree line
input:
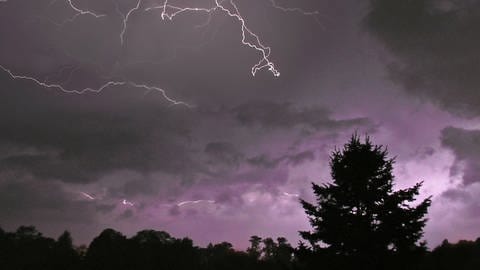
(28, 249)
(358, 220)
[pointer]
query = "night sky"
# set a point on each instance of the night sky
(114, 115)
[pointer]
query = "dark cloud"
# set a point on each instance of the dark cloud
(285, 115)
(465, 145)
(27, 201)
(223, 152)
(301, 157)
(436, 46)
(80, 138)
(127, 214)
(294, 159)
(174, 211)
(105, 208)
(264, 161)
(426, 152)
(456, 194)
(466, 201)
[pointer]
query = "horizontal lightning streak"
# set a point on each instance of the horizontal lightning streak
(314, 13)
(95, 90)
(194, 202)
(294, 9)
(88, 196)
(291, 194)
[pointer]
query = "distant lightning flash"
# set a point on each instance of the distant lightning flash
(315, 13)
(88, 196)
(194, 202)
(294, 9)
(125, 202)
(95, 90)
(291, 194)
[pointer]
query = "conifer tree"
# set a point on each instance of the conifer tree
(359, 218)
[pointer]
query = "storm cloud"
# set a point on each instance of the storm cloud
(435, 48)
(465, 144)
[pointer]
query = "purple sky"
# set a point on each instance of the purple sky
(126, 157)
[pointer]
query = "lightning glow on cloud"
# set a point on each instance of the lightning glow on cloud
(88, 196)
(128, 203)
(194, 202)
(291, 194)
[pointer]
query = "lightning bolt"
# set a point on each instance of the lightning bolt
(125, 19)
(170, 11)
(79, 12)
(96, 90)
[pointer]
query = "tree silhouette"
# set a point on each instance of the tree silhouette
(65, 254)
(148, 250)
(107, 251)
(254, 250)
(359, 219)
(269, 248)
(27, 249)
(283, 253)
(223, 256)
(462, 255)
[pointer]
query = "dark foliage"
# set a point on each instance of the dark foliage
(463, 255)
(359, 220)
(27, 249)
